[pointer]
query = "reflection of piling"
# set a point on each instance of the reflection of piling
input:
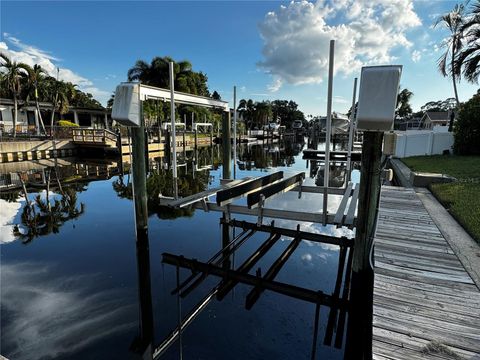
(142, 246)
(359, 333)
(227, 145)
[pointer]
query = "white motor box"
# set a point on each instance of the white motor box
(126, 105)
(377, 98)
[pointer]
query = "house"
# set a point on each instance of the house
(408, 124)
(28, 119)
(435, 118)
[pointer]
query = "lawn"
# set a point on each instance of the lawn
(461, 198)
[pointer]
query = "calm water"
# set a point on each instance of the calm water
(69, 274)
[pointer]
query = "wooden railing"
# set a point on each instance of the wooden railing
(94, 136)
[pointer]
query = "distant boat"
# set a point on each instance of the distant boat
(340, 123)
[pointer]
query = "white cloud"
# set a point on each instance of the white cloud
(31, 55)
(340, 100)
(275, 85)
(416, 56)
(296, 37)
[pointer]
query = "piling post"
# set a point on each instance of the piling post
(350, 132)
(227, 145)
(359, 333)
(173, 140)
(183, 140)
(196, 137)
(234, 132)
(141, 225)
(326, 171)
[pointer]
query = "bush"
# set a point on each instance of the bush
(66, 123)
(467, 128)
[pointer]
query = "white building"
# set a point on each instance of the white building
(28, 120)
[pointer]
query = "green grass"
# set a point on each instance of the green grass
(461, 198)
(460, 167)
(463, 202)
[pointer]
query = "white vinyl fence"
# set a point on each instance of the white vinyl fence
(422, 142)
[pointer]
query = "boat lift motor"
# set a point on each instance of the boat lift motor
(377, 98)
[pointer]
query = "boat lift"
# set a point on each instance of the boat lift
(127, 108)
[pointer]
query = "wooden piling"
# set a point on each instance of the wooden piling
(359, 332)
(141, 224)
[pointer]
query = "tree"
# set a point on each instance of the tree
(286, 112)
(447, 65)
(35, 76)
(11, 80)
(469, 56)
(246, 109)
(263, 112)
(440, 105)
(404, 110)
(63, 94)
(216, 95)
(84, 100)
(467, 128)
(156, 73)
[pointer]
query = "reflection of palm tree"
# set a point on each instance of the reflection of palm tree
(123, 190)
(42, 218)
(161, 183)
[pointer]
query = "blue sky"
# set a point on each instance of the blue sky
(269, 49)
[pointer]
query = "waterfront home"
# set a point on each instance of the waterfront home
(432, 119)
(28, 119)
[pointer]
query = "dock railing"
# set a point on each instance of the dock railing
(93, 136)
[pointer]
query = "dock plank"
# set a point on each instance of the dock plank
(422, 292)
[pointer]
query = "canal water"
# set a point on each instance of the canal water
(69, 278)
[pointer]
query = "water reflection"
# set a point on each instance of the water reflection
(46, 316)
(269, 155)
(55, 198)
(69, 308)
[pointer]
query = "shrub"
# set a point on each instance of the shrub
(67, 123)
(467, 128)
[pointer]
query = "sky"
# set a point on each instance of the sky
(268, 49)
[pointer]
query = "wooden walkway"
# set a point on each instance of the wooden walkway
(426, 306)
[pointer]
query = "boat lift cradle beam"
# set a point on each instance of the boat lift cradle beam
(257, 190)
(245, 278)
(233, 277)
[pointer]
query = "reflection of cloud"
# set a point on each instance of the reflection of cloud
(8, 210)
(307, 257)
(53, 316)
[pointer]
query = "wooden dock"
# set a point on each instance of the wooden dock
(426, 306)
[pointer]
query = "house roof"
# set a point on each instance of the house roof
(438, 115)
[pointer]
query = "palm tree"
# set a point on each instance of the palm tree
(157, 74)
(469, 57)
(35, 76)
(403, 103)
(453, 21)
(62, 95)
(263, 111)
(11, 79)
(246, 109)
